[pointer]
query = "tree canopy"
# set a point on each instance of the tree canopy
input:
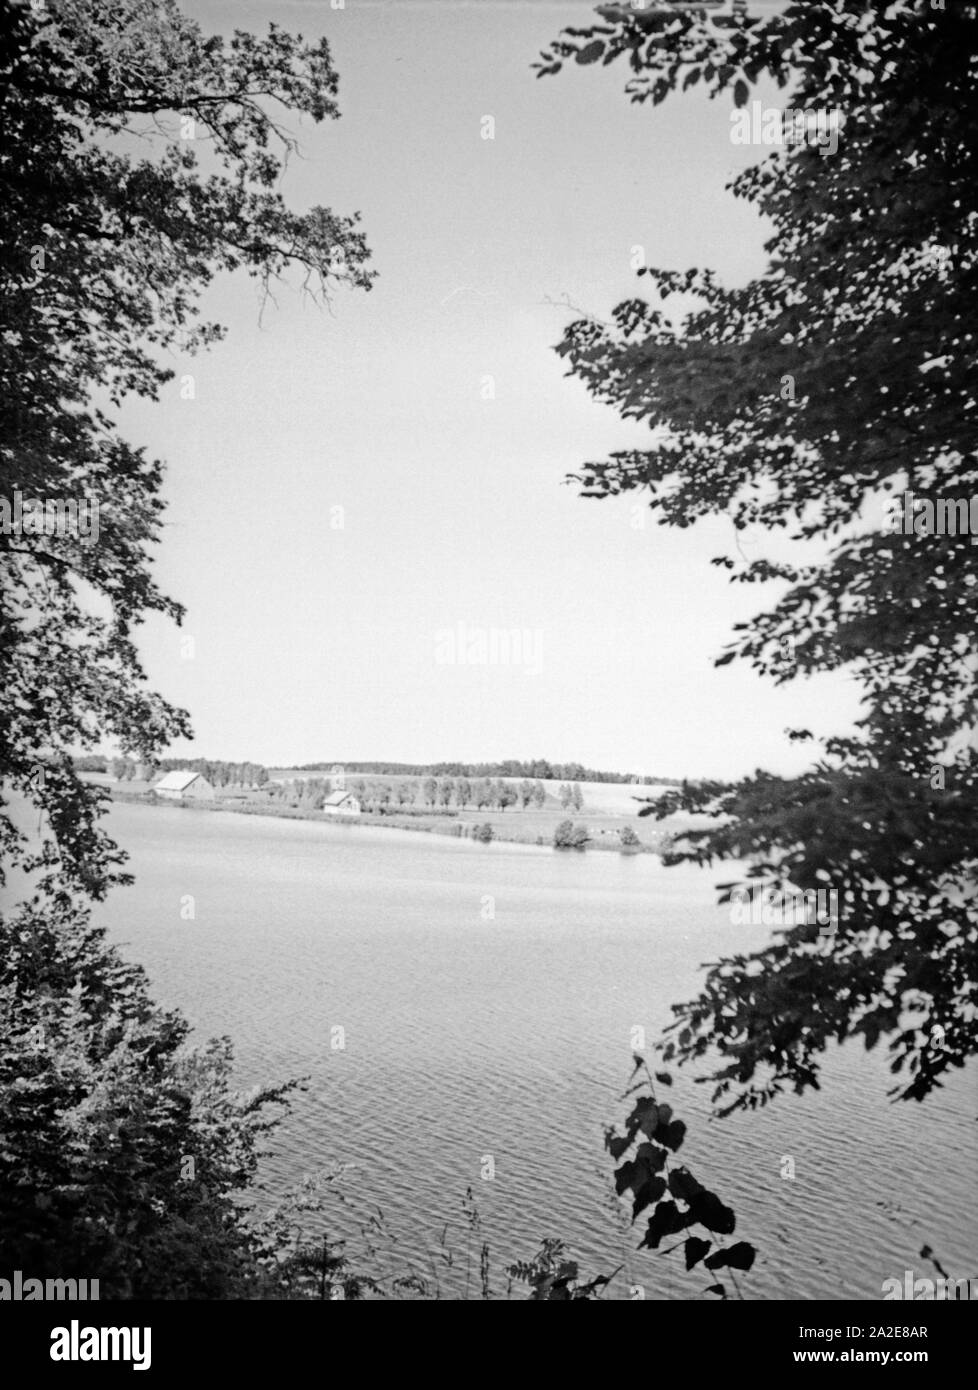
(809, 401)
(141, 158)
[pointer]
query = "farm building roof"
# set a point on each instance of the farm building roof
(176, 781)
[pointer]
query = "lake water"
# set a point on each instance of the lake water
(487, 996)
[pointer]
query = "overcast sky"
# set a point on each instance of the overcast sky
(434, 412)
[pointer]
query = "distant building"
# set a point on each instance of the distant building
(342, 804)
(184, 785)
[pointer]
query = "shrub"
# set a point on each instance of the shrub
(570, 836)
(126, 1152)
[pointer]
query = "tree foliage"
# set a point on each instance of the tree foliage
(678, 1201)
(867, 308)
(110, 229)
(219, 772)
(510, 767)
(567, 835)
(125, 1154)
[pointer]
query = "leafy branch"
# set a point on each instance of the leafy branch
(678, 1201)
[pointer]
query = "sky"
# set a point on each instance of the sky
(367, 516)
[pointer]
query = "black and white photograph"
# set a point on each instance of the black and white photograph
(489, 662)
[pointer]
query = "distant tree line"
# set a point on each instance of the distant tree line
(431, 793)
(219, 773)
(91, 762)
(481, 792)
(307, 792)
(513, 769)
(538, 769)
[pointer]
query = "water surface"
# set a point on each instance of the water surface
(487, 997)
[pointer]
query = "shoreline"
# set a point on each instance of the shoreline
(453, 828)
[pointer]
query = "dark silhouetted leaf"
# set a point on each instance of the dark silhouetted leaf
(616, 1144)
(649, 1192)
(739, 1256)
(653, 1155)
(644, 1116)
(590, 53)
(667, 1220)
(683, 1185)
(626, 1175)
(695, 1250)
(671, 1135)
(706, 1208)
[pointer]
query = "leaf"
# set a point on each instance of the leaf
(626, 1175)
(616, 1145)
(695, 1250)
(667, 1220)
(717, 1288)
(644, 1116)
(664, 1078)
(741, 92)
(650, 1191)
(590, 53)
(683, 1185)
(671, 1135)
(739, 1256)
(653, 1155)
(706, 1208)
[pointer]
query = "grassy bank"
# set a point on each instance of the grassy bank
(523, 827)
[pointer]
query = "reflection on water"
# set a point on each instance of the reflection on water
(453, 1003)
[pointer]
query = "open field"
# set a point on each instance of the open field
(600, 798)
(608, 808)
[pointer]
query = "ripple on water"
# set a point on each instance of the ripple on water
(507, 1037)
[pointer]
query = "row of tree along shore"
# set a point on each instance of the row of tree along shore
(220, 772)
(432, 804)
